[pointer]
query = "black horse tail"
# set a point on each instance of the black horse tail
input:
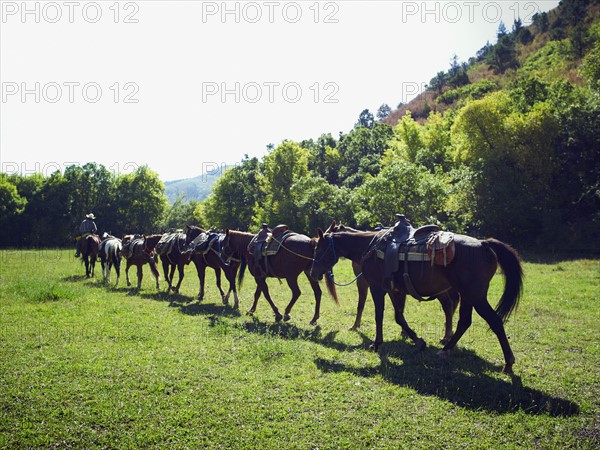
(509, 262)
(331, 288)
(242, 271)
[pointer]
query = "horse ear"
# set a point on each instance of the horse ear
(320, 233)
(226, 231)
(331, 227)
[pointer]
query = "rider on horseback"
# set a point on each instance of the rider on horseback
(87, 227)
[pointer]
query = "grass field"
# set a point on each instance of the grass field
(83, 365)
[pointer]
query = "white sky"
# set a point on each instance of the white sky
(211, 87)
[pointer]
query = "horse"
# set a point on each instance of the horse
(89, 253)
(293, 258)
(474, 265)
(448, 300)
(139, 250)
(175, 256)
(110, 251)
(213, 258)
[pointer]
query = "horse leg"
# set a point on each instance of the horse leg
(257, 293)
(399, 300)
(318, 294)
(465, 317)
(378, 295)
(449, 301)
(218, 277)
(485, 310)
(230, 274)
(140, 275)
(181, 275)
(293, 284)
(93, 264)
(166, 266)
(363, 287)
(127, 266)
(261, 286)
(172, 268)
(154, 270)
(117, 264)
(201, 269)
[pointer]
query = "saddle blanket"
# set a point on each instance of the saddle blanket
(130, 245)
(439, 250)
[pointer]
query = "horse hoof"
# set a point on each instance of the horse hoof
(421, 344)
(278, 317)
(286, 317)
(236, 306)
(444, 353)
(249, 313)
(404, 335)
(225, 301)
(374, 347)
(508, 369)
(313, 322)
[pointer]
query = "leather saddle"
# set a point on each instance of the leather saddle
(401, 237)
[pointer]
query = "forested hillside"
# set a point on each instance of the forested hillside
(505, 144)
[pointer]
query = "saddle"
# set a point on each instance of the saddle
(204, 243)
(267, 243)
(128, 247)
(405, 243)
(167, 241)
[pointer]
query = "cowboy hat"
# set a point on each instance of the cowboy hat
(90, 216)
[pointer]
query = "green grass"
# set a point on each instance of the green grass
(84, 365)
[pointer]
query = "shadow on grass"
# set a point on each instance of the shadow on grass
(462, 379)
(74, 278)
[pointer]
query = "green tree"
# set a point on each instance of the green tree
(233, 199)
(142, 201)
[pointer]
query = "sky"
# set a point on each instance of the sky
(188, 86)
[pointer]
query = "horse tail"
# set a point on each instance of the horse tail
(243, 265)
(509, 262)
(331, 288)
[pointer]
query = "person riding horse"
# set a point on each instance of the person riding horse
(87, 227)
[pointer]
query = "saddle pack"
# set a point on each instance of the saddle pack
(267, 243)
(130, 245)
(206, 242)
(167, 241)
(405, 243)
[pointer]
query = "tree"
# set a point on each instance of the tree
(11, 205)
(234, 198)
(365, 119)
(384, 111)
(282, 168)
(141, 202)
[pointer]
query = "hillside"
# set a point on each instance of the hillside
(196, 188)
(551, 48)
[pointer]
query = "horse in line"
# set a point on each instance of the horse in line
(139, 250)
(293, 258)
(474, 265)
(89, 253)
(175, 257)
(110, 251)
(211, 257)
(448, 300)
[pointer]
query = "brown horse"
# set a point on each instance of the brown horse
(449, 299)
(176, 257)
(139, 251)
(294, 257)
(212, 257)
(474, 265)
(89, 253)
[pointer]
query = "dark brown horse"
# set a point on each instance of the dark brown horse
(89, 253)
(175, 257)
(212, 257)
(449, 299)
(474, 265)
(139, 251)
(294, 257)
